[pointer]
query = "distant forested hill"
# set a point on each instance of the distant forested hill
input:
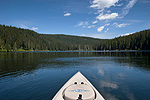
(14, 39)
(137, 41)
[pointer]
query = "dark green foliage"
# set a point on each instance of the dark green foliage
(13, 39)
(136, 41)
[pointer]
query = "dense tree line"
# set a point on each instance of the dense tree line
(14, 39)
(137, 41)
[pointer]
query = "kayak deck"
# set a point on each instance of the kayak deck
(78, 88)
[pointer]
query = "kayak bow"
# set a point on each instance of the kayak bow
(78, 88)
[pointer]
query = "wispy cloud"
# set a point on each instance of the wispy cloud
(95, 22)
(67, 14)
(34, 28)
(23, 26)
(119, 4)
(107, 30)
(83, 23)
(101, 35)
(80, 24)
(120, 25)
(145, 1)
(102, 27)
(107, 16)
(89, 26)
(127, 8)
(93, 25)
(103, 5)
(99, 11)
(105, 13)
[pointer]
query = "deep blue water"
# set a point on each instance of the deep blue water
(39, 75)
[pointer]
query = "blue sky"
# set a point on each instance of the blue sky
(92, 18)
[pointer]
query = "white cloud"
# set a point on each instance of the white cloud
(109, 11)
(126, 34)
(128, 7)
(83, 35)
(107, 30)
(93, 25)
(107, 24)
(104, 11)
(82, 23)
(34, 28)
(86, 23)
(101, 4)
(107, 16)
(95, 22)
(119, 4)
(102, 35)
(67, 14)
(89, 26)
(99, 11)
(102, 27)
(130, 4)
(120, 25)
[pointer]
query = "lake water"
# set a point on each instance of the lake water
(39, 75)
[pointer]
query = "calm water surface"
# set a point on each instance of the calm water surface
(39, 75)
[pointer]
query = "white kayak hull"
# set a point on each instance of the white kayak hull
(78, 88)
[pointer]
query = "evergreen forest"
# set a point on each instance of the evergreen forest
(19, 39)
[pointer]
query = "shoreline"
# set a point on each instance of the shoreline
(23, 51)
